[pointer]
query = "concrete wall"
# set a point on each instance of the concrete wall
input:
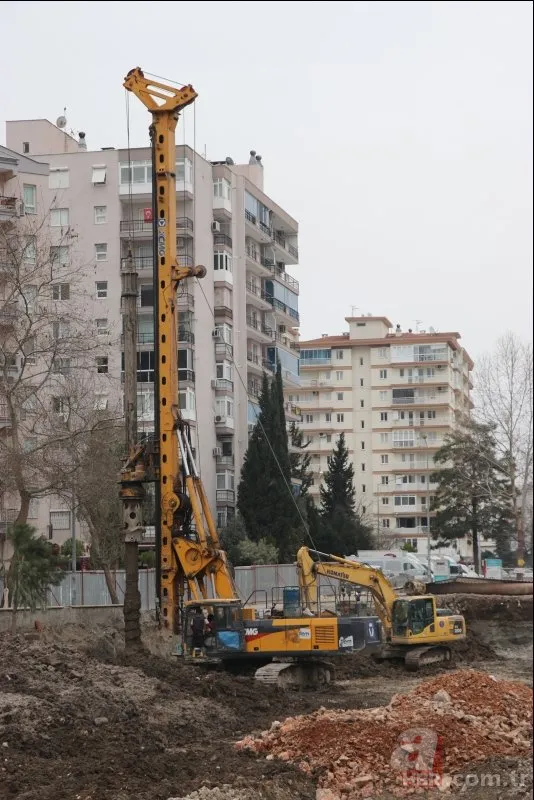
(88, 616)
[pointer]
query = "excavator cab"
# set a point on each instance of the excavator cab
(417, 618)
(222, 625)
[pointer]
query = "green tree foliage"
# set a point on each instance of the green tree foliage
(408, 548)
(35, 565)
(300, 460)
(474, 494)
(337, 527)
(264, 498)
(66, 550)
(241, 550)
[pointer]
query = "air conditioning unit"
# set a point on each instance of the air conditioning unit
(217, 451)
(439, 366)
(216, 333)
(219, 418)
(215, 227)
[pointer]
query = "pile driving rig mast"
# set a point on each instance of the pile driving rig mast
(189, 559)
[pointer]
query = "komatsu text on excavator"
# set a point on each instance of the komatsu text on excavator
(192, 568)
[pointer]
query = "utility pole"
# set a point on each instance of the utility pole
(133, 533)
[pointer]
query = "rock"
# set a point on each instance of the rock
(442, 697)
(99, 721)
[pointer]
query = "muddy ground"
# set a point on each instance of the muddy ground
(81, 721)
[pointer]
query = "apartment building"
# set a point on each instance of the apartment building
(234, 325)
(395, 394)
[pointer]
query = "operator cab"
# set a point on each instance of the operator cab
(412, 616)
(223, 630)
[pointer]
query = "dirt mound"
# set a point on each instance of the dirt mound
(429, 734)
(494, 607)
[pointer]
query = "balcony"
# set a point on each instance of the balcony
(139, 263)
(264, 332)
(10, 207)
(186, 376)
(4, 415)
(8, 313)
(185, 301)
(225, 497)
(257, 229)
(224, 311)
(223, 351)
(290, 250)
(254, 361)
(423, 399)
(254, 388)
(282, 308)
(142, 338)
(438, 421)
(185, 336)
(224, 385)
(280, 274)
(224, 424)
(224, 461)
(222, 240)
(315, 362)
(141, 229)
(258, 295)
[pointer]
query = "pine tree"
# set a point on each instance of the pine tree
(264, 497)
(474, 496)
(339, 528)
(300, 460)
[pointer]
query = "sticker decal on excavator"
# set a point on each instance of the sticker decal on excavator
(161, 237)
(346, 642)
(250, 633)
(304, 633)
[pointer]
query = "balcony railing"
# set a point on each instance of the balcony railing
(8, 312)
(222, 240)
(223, 349)
(224, 461)
(186, 375)
(253, 358)
(185, 336)
(250, 217)
(224, 385)
(9, 206)
(281, 241)
(253, 253)
(440, 397)
(265, 229)
(285, 309)
(257, 291)
(280, 274)
(185, 299)
(138, 263)
(254, 389)
(268, 365)
(142, 337)
(315, 362)
(225, 496)
(252, 322)
(137, 225)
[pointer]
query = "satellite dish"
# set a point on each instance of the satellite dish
(61, 122)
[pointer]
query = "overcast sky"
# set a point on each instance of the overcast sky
(398, 134)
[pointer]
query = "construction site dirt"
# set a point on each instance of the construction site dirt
(81, 720)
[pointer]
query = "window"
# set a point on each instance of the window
(59, 255)
(309, 418)
(61, 366)
(184, 170)
(431, 414)
(384, 459)
(222, 260)
(361, 381)
(385, 523)
(225, 371)
(59, 217)
(101, 290)
(383, 374)
(383, 416)
(403, 439)
(328, 417)
(328, 438)
(101, 401)
(101, 214)
(384, 438)
(102, 325)
(222, 188)
(30, 250)
(30, 199)
(98, 176)
(340, 355)
(384, 480)
(101, 252)
(25, 147)
(61, 291)
(363, 445)
(60, 520)
(225, 480)
(145, 405)
(384, 395)
(362, 424)
(147, 295)
(60, 330)
(339, 375)
(385, 501)
(28, 349)
(340, 417)
(60, 405)
(405, 500)
(361, 404)
(102, 365)
(58, 178)
(383, 352)
(33, 510)
(224, 407)
(361, 362)
(363, 467)
(340, 395)
(364, 509)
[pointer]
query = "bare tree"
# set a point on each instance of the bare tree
(504, 388)
(52, 362)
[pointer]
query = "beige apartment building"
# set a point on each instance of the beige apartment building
(395, 394)
(234, 325)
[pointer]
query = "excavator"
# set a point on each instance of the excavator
(416, 631)
(193, 573)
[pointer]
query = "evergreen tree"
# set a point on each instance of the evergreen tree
(264, 497)
(339, 527)
(474, 496)
(300, 460)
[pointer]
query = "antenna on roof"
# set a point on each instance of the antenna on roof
(353, 309)
(417, 324)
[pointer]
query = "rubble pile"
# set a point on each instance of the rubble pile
(419, 741)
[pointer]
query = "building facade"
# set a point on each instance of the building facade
(395, 395)
(234, 325)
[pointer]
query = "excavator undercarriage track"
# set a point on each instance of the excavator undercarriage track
(297, 675)
(415, 657)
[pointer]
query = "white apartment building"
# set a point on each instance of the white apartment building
(395, 395)
(234, 325)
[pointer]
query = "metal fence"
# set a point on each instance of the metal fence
(89, 589)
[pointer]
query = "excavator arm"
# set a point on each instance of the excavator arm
(311, 563)
(190, 558)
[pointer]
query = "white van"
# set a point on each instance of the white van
(397, 565)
